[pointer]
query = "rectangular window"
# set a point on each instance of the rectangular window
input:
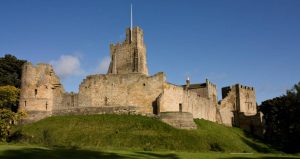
(180, 107)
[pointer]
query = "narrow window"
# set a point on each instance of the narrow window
(25, 103)
(72, 100)
(180, 107)
(35, 92)
(106, 100)
(46, 105)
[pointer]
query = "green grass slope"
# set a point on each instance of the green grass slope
(134, 132)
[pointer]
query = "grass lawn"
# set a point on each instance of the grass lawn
(17, 151)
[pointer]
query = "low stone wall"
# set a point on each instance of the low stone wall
(181, 120)
(97, 110)
(33, 116)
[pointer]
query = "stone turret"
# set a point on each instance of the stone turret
(130, 56)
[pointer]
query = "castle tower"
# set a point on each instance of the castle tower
(130, 56)
(40, 90)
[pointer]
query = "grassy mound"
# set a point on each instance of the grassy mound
(134, 132)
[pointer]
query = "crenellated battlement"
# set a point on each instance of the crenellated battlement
(209, 83)
(245, 87)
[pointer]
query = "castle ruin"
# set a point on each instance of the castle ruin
(128, 89)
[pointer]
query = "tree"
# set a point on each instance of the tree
(282, 120)
(7, 120)
(9, 97)
(11, 71)
(10, 82)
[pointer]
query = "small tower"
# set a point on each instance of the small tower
(130, 56)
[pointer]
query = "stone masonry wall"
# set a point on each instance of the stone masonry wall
(40, 88)
(129, 56)
(247, 99)
(237, 99)
(69, 101)
(128, 89)
(40, 91)
(42, 95)
(121, 90)
(228, 105)
(175, 98)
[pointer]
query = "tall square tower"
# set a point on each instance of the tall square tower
(129, 56)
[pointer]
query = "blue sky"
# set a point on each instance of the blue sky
(252, 42)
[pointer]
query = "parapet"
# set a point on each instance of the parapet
(244, 87)
(226, 90)
(209, 83)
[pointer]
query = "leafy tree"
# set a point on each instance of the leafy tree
(9, 96)
(282, 120)
(10, 71)
(10, 82)
(7, 120)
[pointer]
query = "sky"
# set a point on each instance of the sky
(251, 42)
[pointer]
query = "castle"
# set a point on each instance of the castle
(127, 88)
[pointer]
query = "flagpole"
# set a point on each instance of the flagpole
(130, 22)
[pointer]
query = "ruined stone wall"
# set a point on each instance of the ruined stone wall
(42, 95)
(228, 105)
(69, 101)
(127, 89)
(39, 87)
(40, 90)
(135, 90)
(237, 98)
(177, 98)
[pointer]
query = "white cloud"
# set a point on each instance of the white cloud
(67, 65)
(104, 64)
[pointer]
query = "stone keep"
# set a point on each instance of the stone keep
(130, 56)
(128, 89)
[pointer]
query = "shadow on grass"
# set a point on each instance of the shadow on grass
(264, 147)
(279, 157)
(152, 155)
(256, 146)
(62, 153)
